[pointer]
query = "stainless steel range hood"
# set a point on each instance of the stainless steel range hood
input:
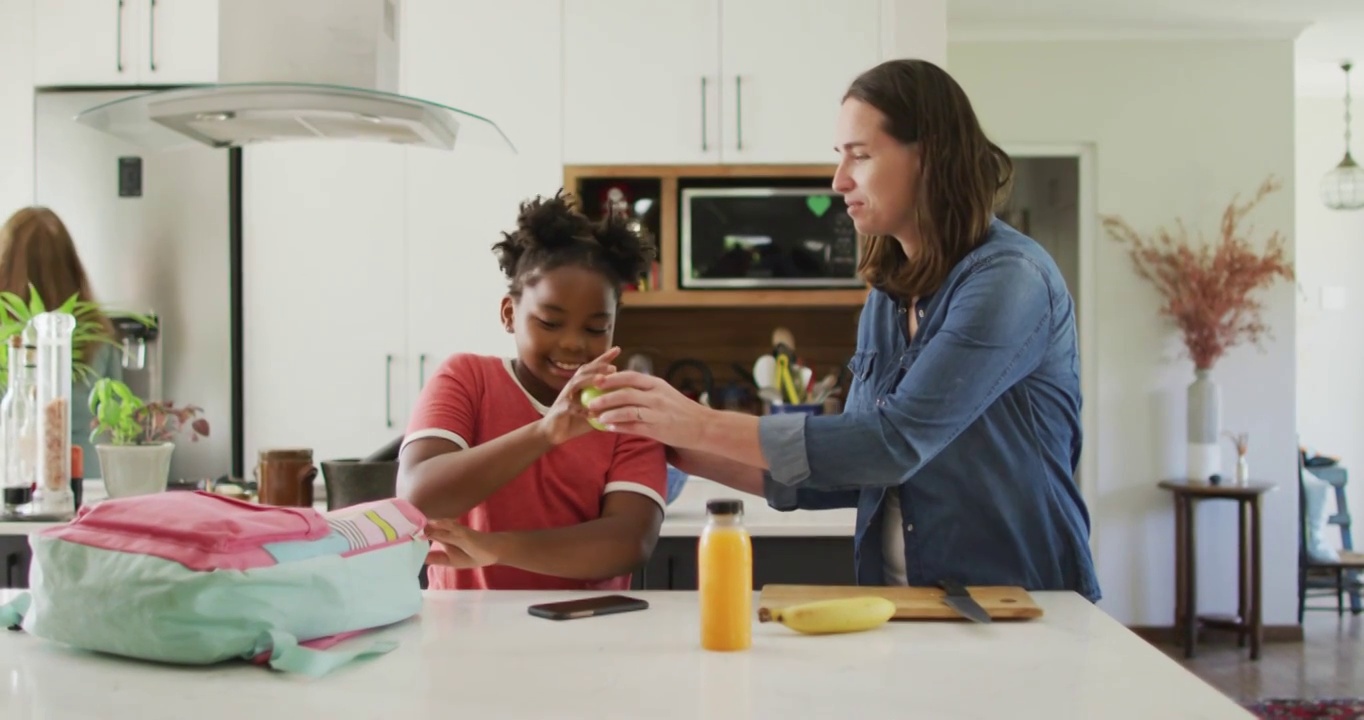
(297, 70)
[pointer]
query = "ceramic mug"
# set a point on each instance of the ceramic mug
(285, 477)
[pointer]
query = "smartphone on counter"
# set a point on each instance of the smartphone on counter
(588, 607)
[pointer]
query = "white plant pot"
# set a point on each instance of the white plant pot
(130, 470)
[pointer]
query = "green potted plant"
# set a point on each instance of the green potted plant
(136, 461)
(16, 312)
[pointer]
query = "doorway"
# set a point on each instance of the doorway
(1053, 203)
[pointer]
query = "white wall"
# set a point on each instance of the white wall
(16, 106)
(1177, 127)
(1330, 257)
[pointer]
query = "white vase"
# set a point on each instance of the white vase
(1204, 427)
(129, 470)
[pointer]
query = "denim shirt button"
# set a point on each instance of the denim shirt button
(909, 527)
(880, 402)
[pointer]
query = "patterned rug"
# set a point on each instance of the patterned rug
(1290, 709)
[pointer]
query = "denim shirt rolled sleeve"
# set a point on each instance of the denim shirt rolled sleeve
(974, 422)
(782, 439)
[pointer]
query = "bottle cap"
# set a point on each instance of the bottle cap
(725, 506)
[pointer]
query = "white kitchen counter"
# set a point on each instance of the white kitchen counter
(686, 515)
(481, 655)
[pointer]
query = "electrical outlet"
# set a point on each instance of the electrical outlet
(1333, 297)
(130, 176)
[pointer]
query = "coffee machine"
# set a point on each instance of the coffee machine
(141, 344)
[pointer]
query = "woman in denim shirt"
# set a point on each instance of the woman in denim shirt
(959, 441)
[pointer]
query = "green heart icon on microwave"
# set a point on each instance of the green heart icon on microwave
(818, 204)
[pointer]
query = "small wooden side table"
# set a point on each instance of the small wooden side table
(1249, 619)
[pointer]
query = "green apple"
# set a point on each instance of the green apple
(590, 393)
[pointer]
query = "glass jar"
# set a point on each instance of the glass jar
(52, 495)
(18, 420)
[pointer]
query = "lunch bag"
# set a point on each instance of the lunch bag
(199, 578)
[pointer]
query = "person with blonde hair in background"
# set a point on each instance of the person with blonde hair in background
(37, 250)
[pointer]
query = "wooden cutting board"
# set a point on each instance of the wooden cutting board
(912, 603)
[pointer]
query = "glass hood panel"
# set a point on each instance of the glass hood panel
(233, 115)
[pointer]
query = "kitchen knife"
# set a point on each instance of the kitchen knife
(958, 599)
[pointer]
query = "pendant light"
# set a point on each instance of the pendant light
(1343, 187)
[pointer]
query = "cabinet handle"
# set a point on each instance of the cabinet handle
(388, 390)
(151, 41)
(738, 113)
(421, 371)
(705, 146)
(118, 36)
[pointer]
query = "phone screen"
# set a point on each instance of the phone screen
(588, 607)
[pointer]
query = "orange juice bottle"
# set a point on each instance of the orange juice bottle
(725, 578)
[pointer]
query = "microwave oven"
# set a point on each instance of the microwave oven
(766, 237)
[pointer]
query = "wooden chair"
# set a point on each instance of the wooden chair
(1324, 579)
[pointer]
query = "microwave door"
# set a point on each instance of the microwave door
(766, 238)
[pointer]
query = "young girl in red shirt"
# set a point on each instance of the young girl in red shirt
(521, 492)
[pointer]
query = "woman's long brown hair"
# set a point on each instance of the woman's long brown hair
(35, 248)
(962, 181)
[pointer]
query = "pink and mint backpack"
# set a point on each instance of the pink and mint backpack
(199, 578)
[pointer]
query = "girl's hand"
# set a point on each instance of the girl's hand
(567, 418)
(456, 546)
(645, 405)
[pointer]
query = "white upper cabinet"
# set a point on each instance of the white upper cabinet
(786, 65)
(85, 42)
(499, 60)
(641, 82)
(726, 81)
(179, 42)
(125, 42)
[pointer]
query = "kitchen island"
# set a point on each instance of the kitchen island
(481, 655)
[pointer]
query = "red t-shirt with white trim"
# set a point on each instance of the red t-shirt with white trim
(473, 399)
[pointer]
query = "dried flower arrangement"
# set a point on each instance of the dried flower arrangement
(1242, 442)
(1206, 290)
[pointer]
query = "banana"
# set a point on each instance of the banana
(840, 615)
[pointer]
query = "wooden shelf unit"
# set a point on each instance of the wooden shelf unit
(664, 180)
(722, 338)
(726, 330)
(745, 298)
